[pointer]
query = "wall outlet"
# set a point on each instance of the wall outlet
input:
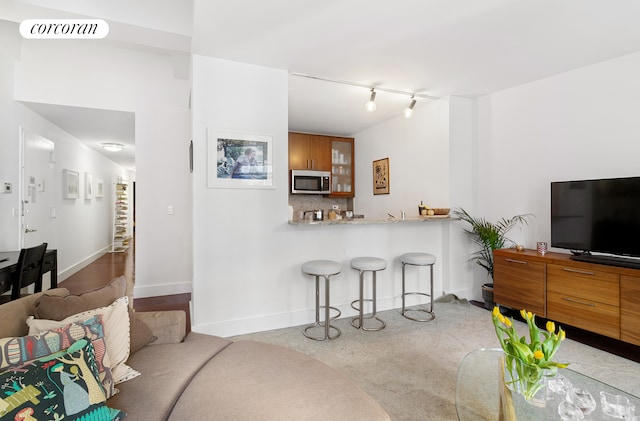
(7, 188)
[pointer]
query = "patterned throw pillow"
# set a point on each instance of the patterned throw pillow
(62, 385)
(20, 350)
(116, 325)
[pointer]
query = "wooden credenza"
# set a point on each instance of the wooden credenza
(598, 298)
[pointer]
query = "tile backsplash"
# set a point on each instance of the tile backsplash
(306, 202)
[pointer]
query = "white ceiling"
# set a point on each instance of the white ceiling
(455, 47)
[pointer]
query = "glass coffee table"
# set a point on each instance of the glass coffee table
(482, 395)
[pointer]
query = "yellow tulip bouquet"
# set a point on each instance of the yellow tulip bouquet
(527, 363)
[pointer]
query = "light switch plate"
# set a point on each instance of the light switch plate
(7, 188)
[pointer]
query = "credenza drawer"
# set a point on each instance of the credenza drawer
(587, 284)
(519, 283)
(630, 309)
(584, 313)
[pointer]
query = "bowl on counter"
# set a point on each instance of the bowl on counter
(441, 211)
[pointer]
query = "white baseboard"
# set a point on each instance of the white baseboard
(301, 317)
(144, 291)
(65, 273)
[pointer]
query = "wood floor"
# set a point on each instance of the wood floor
(112, 265)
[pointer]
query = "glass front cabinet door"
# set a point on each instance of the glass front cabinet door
(342, 169)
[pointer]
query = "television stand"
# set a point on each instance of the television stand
(619, 261)
(602, 298)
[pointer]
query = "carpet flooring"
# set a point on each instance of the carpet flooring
(411, 368)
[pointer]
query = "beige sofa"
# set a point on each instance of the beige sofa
(205, 377)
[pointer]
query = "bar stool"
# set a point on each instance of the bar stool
(418, 259)
(373, 265)
(326, 269)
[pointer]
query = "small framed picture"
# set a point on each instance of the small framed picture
(381, 176)
(88, 186)
(71, 184)
(99, 187)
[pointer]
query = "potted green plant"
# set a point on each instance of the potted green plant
(489, 236)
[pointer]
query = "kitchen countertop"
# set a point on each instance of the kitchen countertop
(364, 221)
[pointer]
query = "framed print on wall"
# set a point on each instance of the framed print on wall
(239, 160)
(71, 184)
(381, 176)
(88, 186)
(99, 188)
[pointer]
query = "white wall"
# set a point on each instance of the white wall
(82, 228)
(101, 75)
(578, 125)
(418, 152)
(9, 137)
(247, 258)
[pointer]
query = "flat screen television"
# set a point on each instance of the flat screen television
(600, 216)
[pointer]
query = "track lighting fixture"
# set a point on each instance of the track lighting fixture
(371, 104)
(408, 112)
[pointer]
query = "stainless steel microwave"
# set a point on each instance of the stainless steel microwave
(310, 182)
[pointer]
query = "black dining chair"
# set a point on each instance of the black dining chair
(28, 271)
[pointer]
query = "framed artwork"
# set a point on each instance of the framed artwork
(239, 160)
(99, 187)
(88, 186)
(71, 184)
(381, 176)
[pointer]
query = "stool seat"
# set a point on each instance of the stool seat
(418, 259)
(321, 267)
(368, 263)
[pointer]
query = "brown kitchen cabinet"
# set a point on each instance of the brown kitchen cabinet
(342, 167)
(309, 152)
(325, 153)
(598, 298)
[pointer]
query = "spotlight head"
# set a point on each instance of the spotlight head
(408, 112)
(371, 104)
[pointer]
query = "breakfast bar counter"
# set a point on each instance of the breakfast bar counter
(364, 221)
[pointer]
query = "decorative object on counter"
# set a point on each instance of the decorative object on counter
(425, 210)
(527, 364)
(381, 176)
(314, 215)
(519, 247)
(236, 160)
(542, 247)
(422, 209)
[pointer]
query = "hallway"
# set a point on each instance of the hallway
(112, 265)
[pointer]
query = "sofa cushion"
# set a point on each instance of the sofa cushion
(116, 325)
(15, 351)
(258, 381)
(166, 371)
(63, 385)
(14, 313)
(58, 308)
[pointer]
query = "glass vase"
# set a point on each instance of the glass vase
(528, 380)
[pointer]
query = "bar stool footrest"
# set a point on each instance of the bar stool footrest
(323, 337)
